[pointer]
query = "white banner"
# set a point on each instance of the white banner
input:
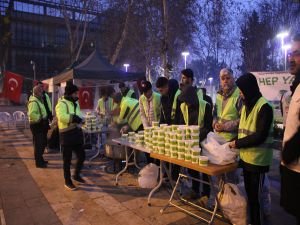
(273, 84)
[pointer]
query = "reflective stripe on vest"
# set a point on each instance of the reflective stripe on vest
(228, 112)
(174, 106)
(40, 112)
(185, 113)
(129, 93)
(156, 105)
(70, 125)
(262, 154)
(101, 105)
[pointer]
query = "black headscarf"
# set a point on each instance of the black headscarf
(247, 83)
(173, 87)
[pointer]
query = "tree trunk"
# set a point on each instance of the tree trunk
(122, 39)
(165, 40)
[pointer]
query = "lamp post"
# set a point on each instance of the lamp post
(210, 79)
(33, 68)
(185, 55)
(282, 36)
(126, 65)
(285, 48)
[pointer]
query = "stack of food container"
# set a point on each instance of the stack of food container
(92, 123)
(131, 136)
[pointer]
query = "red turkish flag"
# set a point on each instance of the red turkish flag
(13, 86)
(86, 98)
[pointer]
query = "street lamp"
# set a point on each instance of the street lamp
(210, 79)
(126, 65)
(185, 54)
(285, 48)
(282, 35)
(33, 67)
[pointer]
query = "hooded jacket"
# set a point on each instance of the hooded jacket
(190, 97)
(167, 102)
(249, 87)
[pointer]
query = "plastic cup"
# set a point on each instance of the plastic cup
(195, 160)
(124, 137)
(203, 160)
(155, 124)
(196, 151)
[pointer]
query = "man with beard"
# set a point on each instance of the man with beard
(290, 165)
(228, 106)
(254, 143)
(38, 120)
(71, 137)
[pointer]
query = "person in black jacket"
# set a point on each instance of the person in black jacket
(189, 96)
(254, 139)
(167, 89)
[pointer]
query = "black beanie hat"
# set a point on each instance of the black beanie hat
(70, 89)
(145, 86)
(188, 73)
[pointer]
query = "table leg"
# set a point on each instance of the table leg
(98, 147)
(217, 203)
(126, 165)
(161, 176)
(134, 160)
(172, 195)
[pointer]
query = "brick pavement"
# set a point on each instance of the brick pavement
(37, 196)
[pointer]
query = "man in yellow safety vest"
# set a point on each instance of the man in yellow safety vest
(39, 125)
(71, 137)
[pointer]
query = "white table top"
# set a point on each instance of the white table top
(141, 148)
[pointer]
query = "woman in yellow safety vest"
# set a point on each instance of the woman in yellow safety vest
(254, 142)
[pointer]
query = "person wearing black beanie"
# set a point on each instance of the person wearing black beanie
(254, 143)
(71, 137)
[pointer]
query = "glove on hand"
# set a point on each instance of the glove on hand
(76, 119)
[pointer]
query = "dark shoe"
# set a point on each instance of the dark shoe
(43, 165)
(70, 186)
(78, 179)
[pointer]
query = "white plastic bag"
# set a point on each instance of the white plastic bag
(218, 150)
(148, 176)
(233, 204)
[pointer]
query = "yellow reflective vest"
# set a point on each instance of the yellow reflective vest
(36, 110)
(156, 105)
(178, 92)
(185, 112)
(262, 154)
(101, 105)
(228, 113)
(129, 93)
(130, 112)
(65, 110)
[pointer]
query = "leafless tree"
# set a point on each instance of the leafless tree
(77, 23)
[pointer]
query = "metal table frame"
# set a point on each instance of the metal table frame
(99, 143)
(128, 145)
(210, 170)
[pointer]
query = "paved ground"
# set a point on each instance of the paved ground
(37, 196)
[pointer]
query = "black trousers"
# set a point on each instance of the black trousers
(254, 185)
(67, 157)
(39, 136)
(290, 192)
